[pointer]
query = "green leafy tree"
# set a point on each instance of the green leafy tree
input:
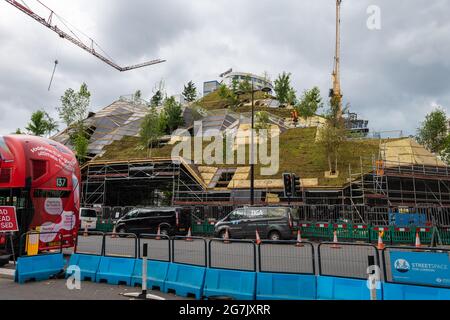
(234, 84)
(137, 96)
(262, 120)
(190, 92)
(158, 94)
(229, 95)
(73, 111)
(173, 113)
(18, 131)
(152, 129)
(309, 103)
(52, 125)
(40, 124)
(333, 135)
(283, 89)
(445, 152)
(245, 85)
(433, 132)
(74, 105)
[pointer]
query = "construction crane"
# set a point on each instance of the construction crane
(336, 92)
(75, 39)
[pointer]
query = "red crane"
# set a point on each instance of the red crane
(74, 39)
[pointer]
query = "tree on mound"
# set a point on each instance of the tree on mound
(152, 129)
(333, 135)
(434, 134)
(190, 92)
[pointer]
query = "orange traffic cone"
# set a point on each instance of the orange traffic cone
(227, 237)
(189, 235)
(418, 244)
(158, 234)
(380, 244)
(335, 241)
(299, 239)
(258, 239)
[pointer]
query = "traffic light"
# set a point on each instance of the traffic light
(297, 186)
(288, 185)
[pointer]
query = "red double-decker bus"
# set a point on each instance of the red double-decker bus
(41, 178)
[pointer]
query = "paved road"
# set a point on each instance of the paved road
(57, 290)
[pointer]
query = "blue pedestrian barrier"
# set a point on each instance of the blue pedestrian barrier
(394, 291)
(333, 288)
(279, 286)
(240, 285)
(115, 270)
(88, 265)
(38, 268)
(156, 274)
(185, 280)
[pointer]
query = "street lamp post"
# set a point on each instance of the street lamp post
(252, 154)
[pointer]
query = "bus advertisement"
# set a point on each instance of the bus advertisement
(41, 179)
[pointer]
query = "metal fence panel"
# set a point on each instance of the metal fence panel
(124, 245)
(286, 257)
(157, 249)
(189, 250)
(346, 259)
(89, 243)
(232, 254)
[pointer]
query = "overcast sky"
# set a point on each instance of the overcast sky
(392, 77)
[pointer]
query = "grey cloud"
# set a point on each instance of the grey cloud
(392, 76)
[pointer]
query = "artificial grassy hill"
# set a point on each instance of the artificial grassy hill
(299, 153)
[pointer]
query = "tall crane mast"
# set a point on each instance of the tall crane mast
(336, 75)
(75, 40)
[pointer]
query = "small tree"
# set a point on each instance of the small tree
(190, 92)
(229, 95)
(73, 112)
(18, 131)
(137, 96)
(309, 103)
(262, 120)
(333, 135)
(283, 90)
(38, 125)
(245, 85)
(52, 125)
(174, 114)
(151, 130)
(74, 105)
(158, 94)
(445, 152)
(433, 131)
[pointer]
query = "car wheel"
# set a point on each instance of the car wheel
(164, 232)
(274, 236)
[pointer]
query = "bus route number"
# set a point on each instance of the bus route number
(61, 182)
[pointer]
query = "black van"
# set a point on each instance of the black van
(170, 220)
(274, 223)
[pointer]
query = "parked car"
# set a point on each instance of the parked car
(170, 220)
(274, 223)
(88, 219)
